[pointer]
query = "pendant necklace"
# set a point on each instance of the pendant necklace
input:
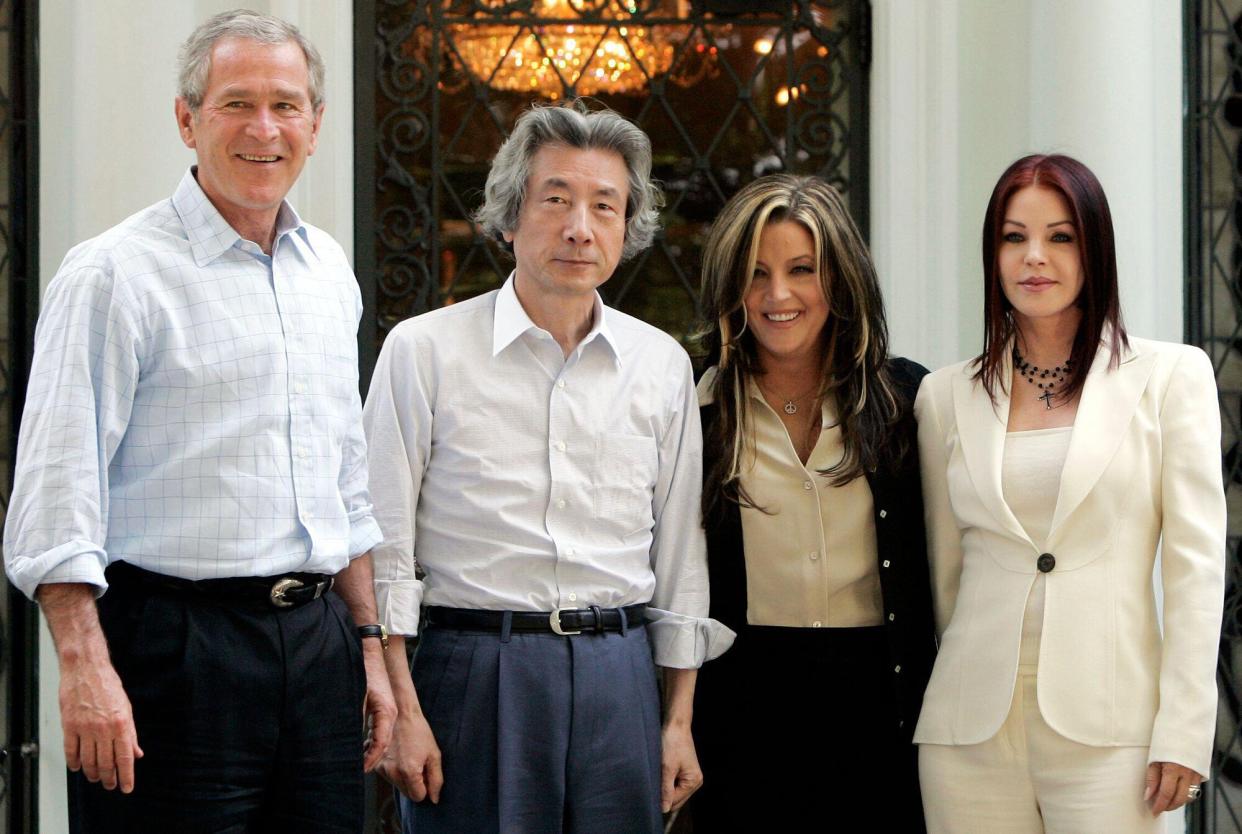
(1046, 379)
(791, 403)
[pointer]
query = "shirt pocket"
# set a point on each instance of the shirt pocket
(625, 475)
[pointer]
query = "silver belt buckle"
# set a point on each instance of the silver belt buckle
(277, 595)
(554, 620)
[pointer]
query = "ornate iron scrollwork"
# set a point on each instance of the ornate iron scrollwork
(763, 87)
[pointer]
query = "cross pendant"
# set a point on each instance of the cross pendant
(1047, 398)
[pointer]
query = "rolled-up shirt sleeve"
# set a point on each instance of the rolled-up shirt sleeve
(397, 422)
(78, 405)
(683, 636)
(364, 532)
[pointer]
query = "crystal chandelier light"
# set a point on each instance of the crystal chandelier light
(549, 58)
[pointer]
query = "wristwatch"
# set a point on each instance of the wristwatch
(376, 630)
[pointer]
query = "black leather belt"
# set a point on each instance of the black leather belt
(288, 590)
(567, 621)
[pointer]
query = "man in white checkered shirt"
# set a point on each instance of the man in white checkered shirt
(191, 480)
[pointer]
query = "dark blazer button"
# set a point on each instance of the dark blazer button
(1046, 562)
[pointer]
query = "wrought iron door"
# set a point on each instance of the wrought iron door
(19, 300)
(728, 90)
(1213, 293)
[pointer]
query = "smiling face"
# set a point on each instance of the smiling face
(253, 131)
(786, 309)
(1040, 262)
(571, 227)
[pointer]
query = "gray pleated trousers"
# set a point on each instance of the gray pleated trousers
(540, 734)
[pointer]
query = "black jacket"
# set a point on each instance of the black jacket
(902, 553)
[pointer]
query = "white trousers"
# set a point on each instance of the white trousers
(1029, 779)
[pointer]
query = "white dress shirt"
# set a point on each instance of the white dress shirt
(508, 477)
(193, 406)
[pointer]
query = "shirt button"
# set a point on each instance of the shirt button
(573, 597)
(814, 555)
(897, 668)
(560, 383)
(569, 551)
(808, 485)
(560, 445)
(892, 617)
(883, 513)
(1046, 562)
(560, 505)
(299, 388)
(884, 563)
(816, 624)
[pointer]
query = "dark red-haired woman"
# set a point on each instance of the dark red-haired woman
(1053, 465)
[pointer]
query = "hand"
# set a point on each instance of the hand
(413, 761)
(379, 706)
(98, 722)
(1168, 786)
(680, 773)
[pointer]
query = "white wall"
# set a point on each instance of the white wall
(109, 147)
(961, 88)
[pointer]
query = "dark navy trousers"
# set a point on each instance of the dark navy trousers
(251, 721)
(540, 734)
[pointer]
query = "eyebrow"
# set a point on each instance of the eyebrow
(557, 182)
(1050, 225)
(282, 93)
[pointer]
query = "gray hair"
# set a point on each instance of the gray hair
(194, 63)
(574, 125)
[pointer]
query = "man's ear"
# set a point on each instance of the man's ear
(185, 121)
(507, 235)
(314, 140)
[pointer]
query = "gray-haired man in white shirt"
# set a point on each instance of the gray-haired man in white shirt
(535, 467)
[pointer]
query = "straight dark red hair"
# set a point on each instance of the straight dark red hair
(1093, 226)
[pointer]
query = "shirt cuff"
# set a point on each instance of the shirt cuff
(399, 601)
(364, 534)
(682, 642)
(71, 562)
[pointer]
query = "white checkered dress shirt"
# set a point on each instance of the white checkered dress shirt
(193, 406)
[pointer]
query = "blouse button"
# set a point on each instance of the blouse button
(808, 485)
(1046, 562)
(814, 555)
(816, 624)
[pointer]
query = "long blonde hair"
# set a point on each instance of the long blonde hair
(855, 335)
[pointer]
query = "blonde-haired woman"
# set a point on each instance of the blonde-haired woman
(814, 521)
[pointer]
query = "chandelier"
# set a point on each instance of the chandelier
(547, 58)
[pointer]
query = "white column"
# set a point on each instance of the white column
(1106, 87)
(961, 88)
(109, 147)
(914, 174)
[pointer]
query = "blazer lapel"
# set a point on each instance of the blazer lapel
(981, 433)
(1109, 398)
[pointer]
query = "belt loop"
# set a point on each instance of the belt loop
(506, 626)
(624, 623)
(599, 618)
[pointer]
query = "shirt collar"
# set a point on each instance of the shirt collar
(511, 321)
(210, 235)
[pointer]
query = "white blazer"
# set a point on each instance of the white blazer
(1143, 468)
